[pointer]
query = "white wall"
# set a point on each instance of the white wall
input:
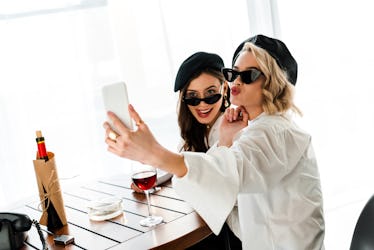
(333, 44)
(53, 64)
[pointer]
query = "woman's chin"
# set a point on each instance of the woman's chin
(235, 103)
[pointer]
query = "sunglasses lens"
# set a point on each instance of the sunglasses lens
(192, 101)
(247, 76)
(250, 76)
(229, 74)
(212, 99)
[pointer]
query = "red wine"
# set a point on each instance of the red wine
(145, 180)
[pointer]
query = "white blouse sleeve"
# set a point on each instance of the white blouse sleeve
(209, 185)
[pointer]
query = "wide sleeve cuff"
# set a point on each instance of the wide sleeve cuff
(211, 185)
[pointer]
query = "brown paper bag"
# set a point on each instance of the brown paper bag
(51, 201)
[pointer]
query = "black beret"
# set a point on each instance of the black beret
(197, 62)
(278, 50)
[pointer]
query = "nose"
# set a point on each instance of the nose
(237, 81)
(203, 103)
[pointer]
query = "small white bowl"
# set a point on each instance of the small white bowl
(105, 209)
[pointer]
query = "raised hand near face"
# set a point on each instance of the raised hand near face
(234, 120)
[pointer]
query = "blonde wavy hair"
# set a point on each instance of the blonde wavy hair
(277, 91)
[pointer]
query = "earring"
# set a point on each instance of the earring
(226, 101)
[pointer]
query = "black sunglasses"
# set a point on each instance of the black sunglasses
(194, 101)
(247, 76)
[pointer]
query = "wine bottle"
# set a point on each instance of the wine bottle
(42, 151)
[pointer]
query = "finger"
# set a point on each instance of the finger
(232, 115)
(110, 142)
(117, 123)
(245, 114)
(228, 114)
(109, 133)
(237, 114)
(106, 125)
(113, 135)
(135, 116)
(135, 188)
(114, 150)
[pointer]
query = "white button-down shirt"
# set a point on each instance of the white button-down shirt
(271, 161)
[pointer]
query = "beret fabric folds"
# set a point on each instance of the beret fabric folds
(194, 64)
(278, 50)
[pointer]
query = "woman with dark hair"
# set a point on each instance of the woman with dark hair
(203, 97)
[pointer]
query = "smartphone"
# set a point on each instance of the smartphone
(116, 99)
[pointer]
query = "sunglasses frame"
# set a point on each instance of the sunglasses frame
(247, 76)
(194, 101)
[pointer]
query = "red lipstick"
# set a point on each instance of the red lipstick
(235, 90)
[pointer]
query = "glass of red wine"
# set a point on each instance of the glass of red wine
(144, 177)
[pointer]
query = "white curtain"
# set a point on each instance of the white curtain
(55, 59)
(52, 67)
(263, 18)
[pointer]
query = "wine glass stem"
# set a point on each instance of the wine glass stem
(148, 202)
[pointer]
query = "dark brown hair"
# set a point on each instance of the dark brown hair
(193, 132)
